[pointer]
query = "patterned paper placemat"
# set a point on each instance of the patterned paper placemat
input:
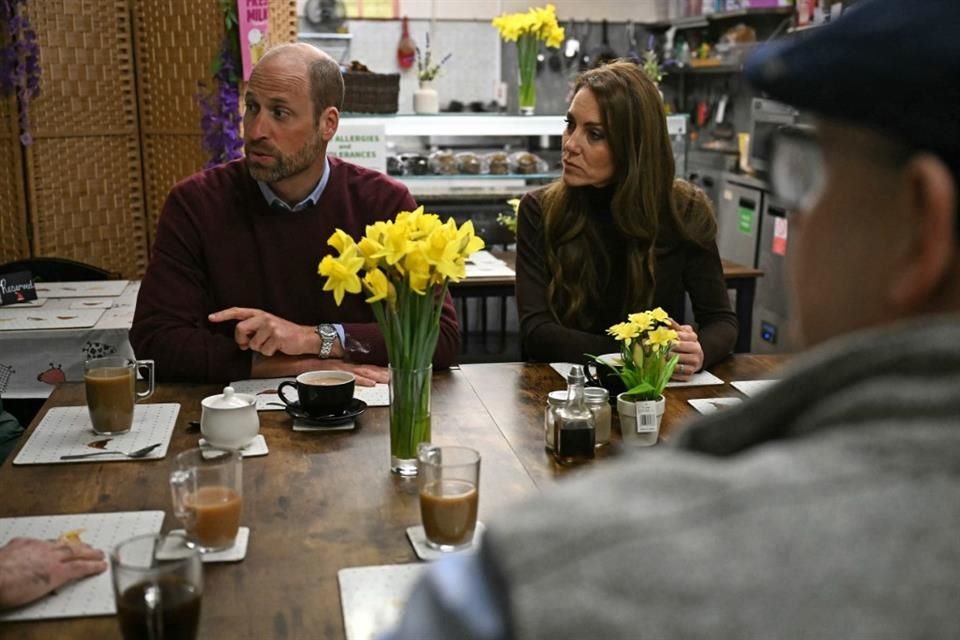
(751, 387)
(91, 596)
(373, 597)
(99, 288)
(712, 405)
(67, 430)
(265, 390)
(39, 302)
(47, 318)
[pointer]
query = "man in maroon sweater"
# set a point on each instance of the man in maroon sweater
(232, 289)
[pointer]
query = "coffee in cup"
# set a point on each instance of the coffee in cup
(111, 391)
(207, 490)
(449, 495)
(321, 393)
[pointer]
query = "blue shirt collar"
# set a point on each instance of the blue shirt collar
(276, 203)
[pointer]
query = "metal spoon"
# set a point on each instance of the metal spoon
(139, 453)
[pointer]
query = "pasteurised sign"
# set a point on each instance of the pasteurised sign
(360, 143)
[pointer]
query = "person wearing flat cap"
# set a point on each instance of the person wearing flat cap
(829, 505)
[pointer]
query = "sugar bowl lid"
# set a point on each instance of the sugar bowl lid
(229, 399)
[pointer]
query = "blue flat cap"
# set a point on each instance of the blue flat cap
(890, 65)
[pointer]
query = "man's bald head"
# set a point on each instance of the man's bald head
(322, 72)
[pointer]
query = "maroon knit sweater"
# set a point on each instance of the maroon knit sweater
(219, 245)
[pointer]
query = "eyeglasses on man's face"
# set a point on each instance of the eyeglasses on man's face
(796, 167)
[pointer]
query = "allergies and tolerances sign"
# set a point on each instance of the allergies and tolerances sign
(360, 143)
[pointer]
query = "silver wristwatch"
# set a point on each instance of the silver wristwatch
(328, 334)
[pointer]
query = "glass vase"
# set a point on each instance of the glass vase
(527, 61)
(409, 416)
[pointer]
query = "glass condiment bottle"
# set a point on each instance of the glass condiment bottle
(574, 429)
(555, 400)
(597, 400)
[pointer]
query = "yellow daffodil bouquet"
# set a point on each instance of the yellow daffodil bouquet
(646, 362)
(528, 29)
(404, 265)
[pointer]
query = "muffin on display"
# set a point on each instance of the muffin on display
(415, 164)
(498, 162)
(443, 163)
(470, 163)
(526, 163)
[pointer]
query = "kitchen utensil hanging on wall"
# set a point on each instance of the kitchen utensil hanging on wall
(406, 48)
(633, 54)
(571, 48)
(584, 62)
(604, 53)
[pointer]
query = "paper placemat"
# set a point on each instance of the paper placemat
(257, 447)
(300, 425)
(418, 540)
(701, 379)
(99, 288)
(91, 596)
(712, 405)
(92, 304)
(751, 387)
(66, 430)
(373, 598)
(47, 318)
(39, 302)
(235, 553)
(265, 390)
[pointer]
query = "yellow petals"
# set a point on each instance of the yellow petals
(377, 284)
(540, 22)
(624, 331)
(341, 273)
(661, 337)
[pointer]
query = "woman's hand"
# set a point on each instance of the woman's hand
(689, 350)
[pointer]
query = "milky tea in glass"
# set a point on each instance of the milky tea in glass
(449, 480)
(111, 391)
(207, 496)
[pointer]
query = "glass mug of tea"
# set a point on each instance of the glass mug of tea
(111, 386)
(157, 598)
(449, 483)
(207, 486)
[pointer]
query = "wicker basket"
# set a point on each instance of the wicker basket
(370, 92)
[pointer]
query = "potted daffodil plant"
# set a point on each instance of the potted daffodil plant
(644, 365)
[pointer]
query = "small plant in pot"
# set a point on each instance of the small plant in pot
(644, 366)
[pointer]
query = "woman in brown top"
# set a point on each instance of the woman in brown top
(618, 234)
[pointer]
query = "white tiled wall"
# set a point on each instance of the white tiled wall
(471, 74)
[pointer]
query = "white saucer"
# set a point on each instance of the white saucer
(171, 550)
(304, 425)
(257, 447)
(418, 540)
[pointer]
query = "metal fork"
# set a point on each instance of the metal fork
(138, 453)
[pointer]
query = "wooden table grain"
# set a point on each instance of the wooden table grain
(318, 503)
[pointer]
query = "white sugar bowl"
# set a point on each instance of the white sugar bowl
(229, 420)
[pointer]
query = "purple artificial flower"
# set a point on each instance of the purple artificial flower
(19, 62)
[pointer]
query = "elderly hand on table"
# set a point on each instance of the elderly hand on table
(30, 568)
(689, 350)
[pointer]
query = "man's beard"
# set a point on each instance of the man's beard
(287, 165)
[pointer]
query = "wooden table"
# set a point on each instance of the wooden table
(739, 278)
(321, 502)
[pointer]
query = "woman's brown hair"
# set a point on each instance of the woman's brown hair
(634, 119)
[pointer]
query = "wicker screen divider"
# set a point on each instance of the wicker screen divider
(115, 127)
(13, 206)
(84, 185)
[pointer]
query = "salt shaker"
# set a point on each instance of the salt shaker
(597, 400)
(575, 433)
